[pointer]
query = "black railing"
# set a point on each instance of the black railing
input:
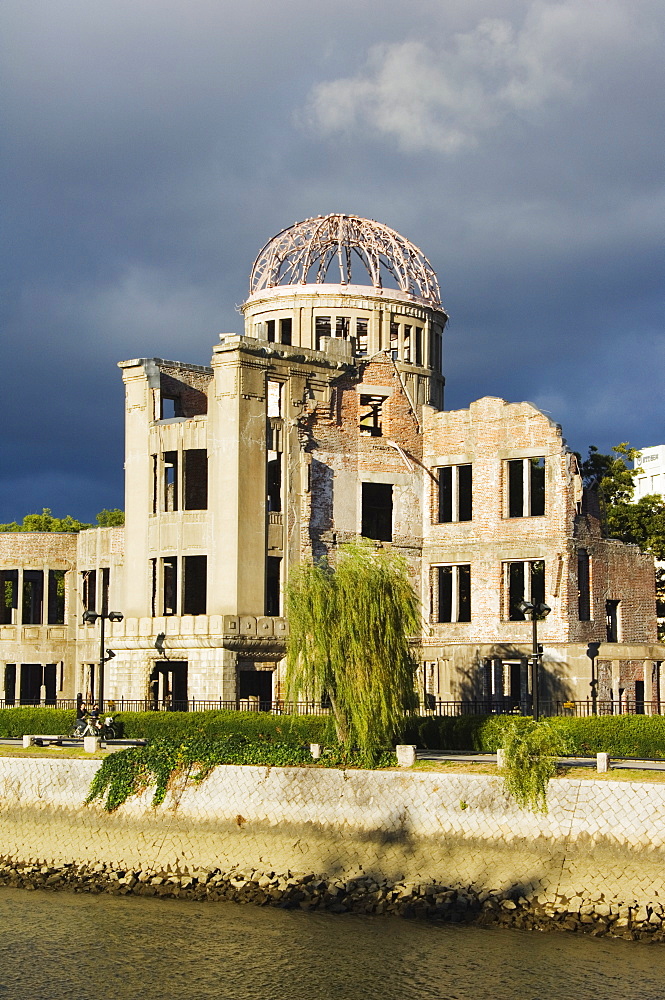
(251, 704)
(432, 707)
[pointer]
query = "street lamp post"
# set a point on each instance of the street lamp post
(89, 618)
(536, 612)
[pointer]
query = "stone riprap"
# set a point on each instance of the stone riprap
(421, 843)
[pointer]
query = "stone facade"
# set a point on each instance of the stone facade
(324, 421)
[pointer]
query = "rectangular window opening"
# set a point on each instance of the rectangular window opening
(526, 487)
(195, 472)
(361, 337)
(583, 585)
(105, 588)
(525, 582)
(377, 511)
(455, 493)
(371, 415)
(89, 590)
(407, 342)
(274, 483)
(8, 597)
(194, 597)
(454, 593)
(171, 406)
(612, 616)
(394, 340)
(170, 585)
(170, 481)
(321, 330)
(273, 586)
(342, 327)
(285, 330)
(418, 345)
(33, 596)
(270, 331)
(56, 597)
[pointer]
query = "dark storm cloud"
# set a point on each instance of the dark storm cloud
(151, 150)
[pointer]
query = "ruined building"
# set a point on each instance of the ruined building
(323, 421)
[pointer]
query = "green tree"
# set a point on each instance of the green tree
(46, 521)
(349, 627)
(111, 518)
(641, 522)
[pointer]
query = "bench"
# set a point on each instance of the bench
(40, 740)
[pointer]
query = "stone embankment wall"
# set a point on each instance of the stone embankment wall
(423, 843)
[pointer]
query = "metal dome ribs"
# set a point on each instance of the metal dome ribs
(304, 253)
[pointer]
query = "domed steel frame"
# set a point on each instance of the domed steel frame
(288, 258)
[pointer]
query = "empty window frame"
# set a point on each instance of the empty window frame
(170, 481)
(8, 597)
(105, 586)
(56, 597)
(170, 407)
(195, 473)
(418, 345)
(274, 482)
(270, 331)
(89, 590)
(371, 415)
(452, 593)
(286, 330)
(583, 586)
(194, 584)
(394, 340)
(612, 619)
(361, 337)
(435, 351)
(273, 586)
(455, 493)
(526, 487)
(342, 327)
(33, 596)
(170, 585)
(377, 511)
(523, 581)
(321, 330)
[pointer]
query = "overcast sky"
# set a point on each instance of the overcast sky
(150, 149)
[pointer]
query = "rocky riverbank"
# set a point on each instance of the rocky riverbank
(358, 894)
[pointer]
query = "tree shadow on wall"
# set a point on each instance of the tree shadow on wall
(321, 507)
(500, 678)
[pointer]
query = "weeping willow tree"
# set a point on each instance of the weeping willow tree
(349, 627)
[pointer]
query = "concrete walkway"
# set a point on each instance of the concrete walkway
(490, 758)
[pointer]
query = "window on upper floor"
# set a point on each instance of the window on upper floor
(455, 493)
(8, 596)
(523, 581)
(612, 619)
(33, 596)
(583, 586)
(195, 476)
(451, 593)
(377, 511)
(194, 585)
(371, 415)
(526, 487)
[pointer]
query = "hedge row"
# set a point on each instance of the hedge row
(638, 736)
(176, 725)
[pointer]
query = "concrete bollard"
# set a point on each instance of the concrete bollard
(501, 759)
(91, 744)
(602, 763)
(406, 755)
(28, 741)
(315, 750)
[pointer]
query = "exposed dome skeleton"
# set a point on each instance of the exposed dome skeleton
(290, 256)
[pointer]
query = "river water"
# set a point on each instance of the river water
(57, 946)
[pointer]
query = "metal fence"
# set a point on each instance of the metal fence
(432, 707)
(189, 705)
